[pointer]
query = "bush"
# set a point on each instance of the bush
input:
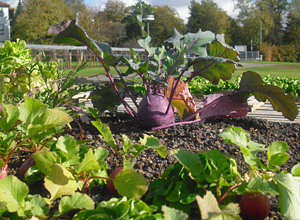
(283, 53)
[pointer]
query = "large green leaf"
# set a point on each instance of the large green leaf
(59, 181)
(220, 63)
(285, 103)
(131, 184)
(10, 117)
(88, 163)
(13, 192)
(173, 214)
(210, 210)
(45, 160)
(75, 201)
(289, 197)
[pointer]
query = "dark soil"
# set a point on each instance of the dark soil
(192, 137)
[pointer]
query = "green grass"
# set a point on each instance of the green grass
(279, 69)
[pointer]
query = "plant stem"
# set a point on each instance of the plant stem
(225, 194)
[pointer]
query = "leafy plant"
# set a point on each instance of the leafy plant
(138, 185)
(161, 73)
(29, 127)
(194, 175)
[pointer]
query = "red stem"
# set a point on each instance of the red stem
(225, 194)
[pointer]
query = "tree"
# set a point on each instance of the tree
(166, 19)
(132, 28)
(292, 30)
(208, 16)
(37, 16)
(76, 6)
(295, 7)
(116, 10)
(14, 19)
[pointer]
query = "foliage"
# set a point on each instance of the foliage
(77, 6)
(33, 29)
(215, 177)
(292, 30)
(282, 53)
(116, 10)
(166, 19)
(30, 127)
(162, 70)
(208, 16)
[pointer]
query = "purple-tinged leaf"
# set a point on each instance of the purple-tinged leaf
(218, 105)
(285, 103)
(72, 33)
(175, 39)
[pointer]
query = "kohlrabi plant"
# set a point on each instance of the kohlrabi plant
(202, 54)
(212, 178)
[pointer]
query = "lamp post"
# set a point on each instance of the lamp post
(148, 18)
(260, 32)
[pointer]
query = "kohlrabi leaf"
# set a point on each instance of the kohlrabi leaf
(289, 197)
(210, 210)
(175, 60)
(197, 42)
(45, 160)
(285, 103)
(175, 39)
(173, 214)
(220, 63)
(88, 163)
(105, 131)
(59, 181)
(190, 161)
(100, 154)
(10, 115)
(73, 34)
(145, 44)
(141, 24)
(277, 155)
(131, 184)
(13, 192)
(218, 106)
(75, 201)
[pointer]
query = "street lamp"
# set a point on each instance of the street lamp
(148, 18)
(260, 32)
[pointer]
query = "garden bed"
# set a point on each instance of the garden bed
(193, 137)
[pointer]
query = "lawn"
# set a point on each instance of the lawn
(280, 69)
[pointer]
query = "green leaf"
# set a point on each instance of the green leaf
(59, 181)
(75, 201)
(88, 163)
(175, 39)
(10, 117)
(173, 214)
(277, 155)
(289, 197)
(131, 184)
(45, 160)
(13, 192)
(285, 103)
(67, 145)
(190, 161)
(100, 154)
(296, 170)
(209, 209)
(197, 43)
(39, 207)
(105, 131)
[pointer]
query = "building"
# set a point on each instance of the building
(4, 22)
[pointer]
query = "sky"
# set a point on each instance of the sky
(180, 5)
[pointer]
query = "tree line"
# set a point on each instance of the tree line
(267, 22)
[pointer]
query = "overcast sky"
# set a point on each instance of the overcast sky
(180, 5)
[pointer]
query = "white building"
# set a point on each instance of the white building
(4, 22)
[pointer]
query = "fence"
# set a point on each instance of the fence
(68, 56)
(250, 56)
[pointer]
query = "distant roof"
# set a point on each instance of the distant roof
(4, 4)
